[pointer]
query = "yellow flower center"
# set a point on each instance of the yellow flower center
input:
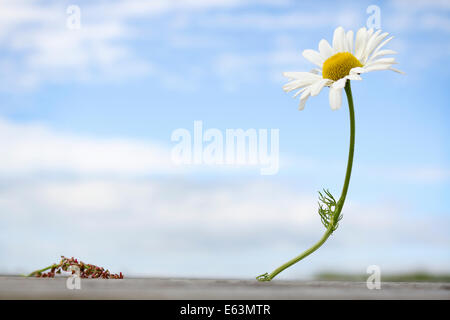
(339, 65)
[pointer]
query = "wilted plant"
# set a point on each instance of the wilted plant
(69, 265)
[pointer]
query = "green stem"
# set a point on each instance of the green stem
(42, 270)
(351, 151)
(340, 204)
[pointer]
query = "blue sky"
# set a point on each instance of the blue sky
(87, 115)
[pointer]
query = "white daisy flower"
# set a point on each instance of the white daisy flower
(343, 61)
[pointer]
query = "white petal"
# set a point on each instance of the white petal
(378, 67)
(373, 42)
(325, 49)
(382, 45)
(314, 57)
(318, 86)
(360, 42)
(362, 57)
(357, 70)
(303, 99)
(381, 53)
(396, 70)
(353, 77)
(385, 42)
(301, 75)
(296, 84)
(300, 80)
(335, 98)
(339, 40)
(339, 84)
(381, 61)
(373, 37)
(316, 70)
(350, 41)
(299, 91)
(306, 93)
(378, 39)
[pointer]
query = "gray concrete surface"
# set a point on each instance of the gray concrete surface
(12, 287)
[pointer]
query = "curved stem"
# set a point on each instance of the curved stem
(340, 204)
(42, 270)
(268, 277)
(351, 151)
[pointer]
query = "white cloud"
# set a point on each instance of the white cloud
(279, 21)
(33, 149)
(91, 197)
(40, 48)
(236, 69)
(418, 15)
(436, 22)
(417, 5)
(151, 224)
(422, 174)
(417, 174)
